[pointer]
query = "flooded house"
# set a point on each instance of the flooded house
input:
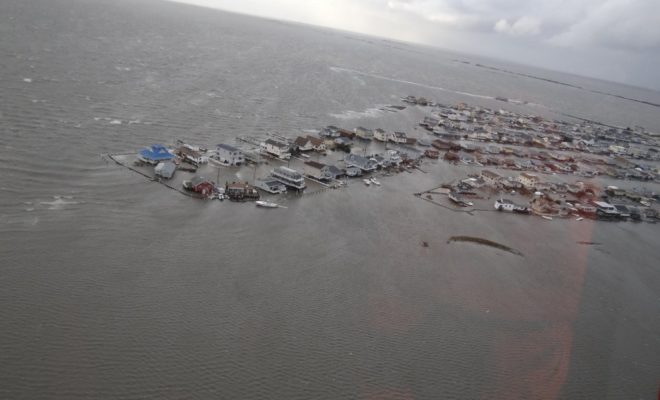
(528, 180)
(165, 169)
(318, 171)
(277, 149)
(381, 135)
(399, 137)
(229, 155)
(155, 154)
(358, 161)
(491, 178)
(302, 144)
(290, 177)
(364, 133)
(318, 144)
(190, 155)
(199, 185)
(241, 191)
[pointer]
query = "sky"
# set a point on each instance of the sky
(617, 40)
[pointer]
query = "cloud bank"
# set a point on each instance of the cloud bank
(611, 39)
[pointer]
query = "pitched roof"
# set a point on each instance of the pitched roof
(315, 141)
(276, 143)
(156, 152)
(315, 164)
(300, 141)
(227, 147)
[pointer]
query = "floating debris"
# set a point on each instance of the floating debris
(484, 242)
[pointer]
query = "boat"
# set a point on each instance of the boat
(266, 204)
(579, 219)
(367, 182)
(375, 182)
(546, 217)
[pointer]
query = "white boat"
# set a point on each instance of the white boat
(579, 219)
(367, 182)
(266, 204)
(375, 182)
(546, 217)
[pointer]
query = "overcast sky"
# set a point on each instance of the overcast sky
(610, 39)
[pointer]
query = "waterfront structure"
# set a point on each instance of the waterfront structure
(187, 153)
(364, 133)
(165, 169)
(353, 172)
(365, 164)
(302, 144)
(155, 154)
(321, 171)
(491, 178)
(229, 155)
(381, 135)
(317, 144)
(199, 185)
(528, 180)
(399, 137)
(289, 177)
(271, 186)
(277, 149)
(241, 191)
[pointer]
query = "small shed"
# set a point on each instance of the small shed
(165, 169)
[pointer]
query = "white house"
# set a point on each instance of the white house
(278, 149)
(317, 144)
(363, 133)
(229, 155)
(381, 135)
(303, 144)
(399, 137)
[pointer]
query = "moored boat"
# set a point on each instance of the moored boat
(266, 204)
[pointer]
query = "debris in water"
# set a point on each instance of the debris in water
(484, 242)
(589, 243)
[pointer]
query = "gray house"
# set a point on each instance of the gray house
(165, 169)
(365, 164)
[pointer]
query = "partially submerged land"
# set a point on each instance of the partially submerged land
(527, 164)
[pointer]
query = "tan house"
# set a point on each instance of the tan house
(528, 180)
(491, 178)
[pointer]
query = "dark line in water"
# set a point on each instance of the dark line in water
(564, 84)
(484, 242)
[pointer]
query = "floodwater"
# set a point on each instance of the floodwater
(115, 287)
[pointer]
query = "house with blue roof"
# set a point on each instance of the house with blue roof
(155, 154)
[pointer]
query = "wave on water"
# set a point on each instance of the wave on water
(387, 78)
(59, 202)
(368, 113)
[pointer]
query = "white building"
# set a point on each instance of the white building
(278, 149)
(399, 137)
(381, 135)
(229, 155)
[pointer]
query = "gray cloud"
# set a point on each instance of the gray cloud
(610, 39)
